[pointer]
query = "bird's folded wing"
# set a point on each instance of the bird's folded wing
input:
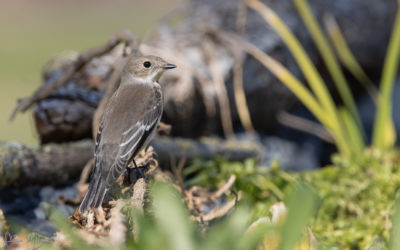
(133, 138)
(96, 172)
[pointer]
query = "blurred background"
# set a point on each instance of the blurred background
(33, 31)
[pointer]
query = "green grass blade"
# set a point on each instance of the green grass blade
(330, 60)
(170, 211)
(384, 135)
(291, 82)
(347, 58)
(314, 79)
(352, 129)
(304, 62)
(301, 92)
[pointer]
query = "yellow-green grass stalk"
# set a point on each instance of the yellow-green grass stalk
(347, 58)
(299, 90)
(330, 61)
(314, 79)
(353, 130)
(384, 135)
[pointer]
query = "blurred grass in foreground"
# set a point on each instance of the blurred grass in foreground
(33, 31)
(169, 226)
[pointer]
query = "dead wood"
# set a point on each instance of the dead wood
(56, 163)
(46, 90)
(21, 166)
(169, 149)
(206, 205)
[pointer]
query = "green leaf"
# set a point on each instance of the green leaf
(172, 218)
(301, 207)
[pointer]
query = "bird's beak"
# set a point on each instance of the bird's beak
(169, 66)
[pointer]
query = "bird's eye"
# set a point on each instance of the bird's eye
(147, 64)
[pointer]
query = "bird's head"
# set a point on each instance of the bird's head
(147, 68)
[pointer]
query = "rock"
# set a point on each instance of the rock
(42, 228)
(33, 206)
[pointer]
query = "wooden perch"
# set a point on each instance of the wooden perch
(125, 36)
(21, 166)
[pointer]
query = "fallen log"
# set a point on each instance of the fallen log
(21, 166)
(171, 150)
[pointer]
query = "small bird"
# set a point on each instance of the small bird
(130, 120)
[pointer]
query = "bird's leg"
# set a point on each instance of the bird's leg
(138, 169)
(133, 174)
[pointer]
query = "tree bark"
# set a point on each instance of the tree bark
(21, 166)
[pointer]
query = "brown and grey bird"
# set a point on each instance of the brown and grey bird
(128, 124)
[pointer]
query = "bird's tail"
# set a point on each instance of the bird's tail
(95, 195)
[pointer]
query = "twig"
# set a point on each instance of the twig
(219, 212)
(305, 125)
(218, 78)
(164, 128)
(86, 172)
(209, 101)
(177, 170)
(224, 188)
(123, 36)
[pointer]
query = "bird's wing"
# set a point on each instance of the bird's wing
(96, 167)
(133, 139)
(98, 139)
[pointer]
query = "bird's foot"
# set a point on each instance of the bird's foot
(135, 173)
(140, 171)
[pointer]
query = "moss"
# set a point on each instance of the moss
(358, 198)
(357, 194)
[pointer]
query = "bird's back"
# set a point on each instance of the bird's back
(125, 109)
